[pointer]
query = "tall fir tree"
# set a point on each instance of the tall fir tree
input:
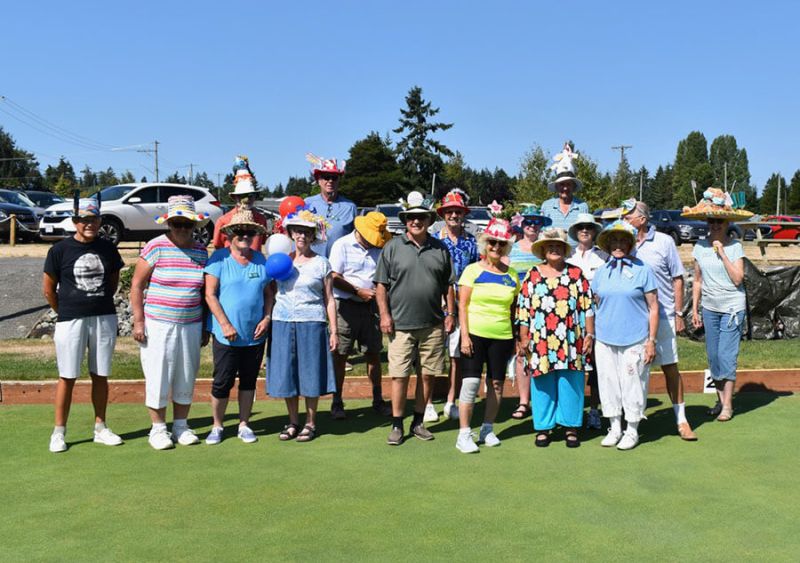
(793, 204)
(730, 167)
(691, 164)
(768, 202)
(659, 192)
(624, 183)
(62, 174)
(534, 175)
(373, 175)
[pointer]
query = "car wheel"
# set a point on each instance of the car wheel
(676, 237)
(203, 235)
(111, 230)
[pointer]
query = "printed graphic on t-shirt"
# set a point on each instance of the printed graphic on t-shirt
(89, 273)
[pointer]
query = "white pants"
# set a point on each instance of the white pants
(170, 360)
(72, 338)
(622, 380)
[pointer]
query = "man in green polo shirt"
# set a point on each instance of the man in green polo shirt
(413, 274)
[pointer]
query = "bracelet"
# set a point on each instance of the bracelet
(449, 314)
(651, 339)
(589, 335)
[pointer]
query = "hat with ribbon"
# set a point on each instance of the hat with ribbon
(716, 204)
(321, 166)
(549, 236)
(564, 168)
(533, 215)
(617, 227)
(372, 227)
(182, 206)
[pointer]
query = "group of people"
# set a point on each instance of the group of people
(547, 296)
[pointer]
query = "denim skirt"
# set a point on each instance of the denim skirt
(300, 361)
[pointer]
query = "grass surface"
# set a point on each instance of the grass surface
(348, 496)
(24, 359)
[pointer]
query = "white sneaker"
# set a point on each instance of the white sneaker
(246, 435)
(215, 436)
(628, 441)
(430, 414)
(57, 443)
(611, 439)
(488, 437)
(185, 436)
(466, 443)
(160, 439)
(450, 411)
(106, 437)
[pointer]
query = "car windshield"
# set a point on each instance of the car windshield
(391, 211)
(45, 199)
(16, 198)
(479, 214)
(114, 192)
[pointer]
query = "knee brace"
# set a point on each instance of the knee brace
(469, 389)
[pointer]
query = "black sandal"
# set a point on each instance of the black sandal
(542, 439)
(572, 440)
(307, 434)
(289, 432)
(520, 412)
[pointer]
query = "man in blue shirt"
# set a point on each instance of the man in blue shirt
(564, 209)
(337, 210)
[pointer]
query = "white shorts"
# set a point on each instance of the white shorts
(72, 338)
(666, 343)
(170, 361)
(453, 342)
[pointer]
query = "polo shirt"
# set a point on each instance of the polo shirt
(658, 251)
(355, 263)
(552, 208)
(340, 214)
(416, 278)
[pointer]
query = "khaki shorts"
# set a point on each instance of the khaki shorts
(358, 322)
(426, 343)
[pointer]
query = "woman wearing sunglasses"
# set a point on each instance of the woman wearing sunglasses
(488, 291)
(239, 296)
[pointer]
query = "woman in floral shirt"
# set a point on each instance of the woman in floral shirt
(556, 330)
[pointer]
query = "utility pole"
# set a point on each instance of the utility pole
(219, 186)
(778, 203)
(155, 152)
(191, 171)
(725, 168)
(621, 149)
(641, 186)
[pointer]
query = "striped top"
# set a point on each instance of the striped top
(175, 291)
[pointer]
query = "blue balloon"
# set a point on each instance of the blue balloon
(279, 266)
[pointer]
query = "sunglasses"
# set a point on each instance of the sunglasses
(181, 225)
(328, 177)
(304, 232)
(585, 228)
(532, 223)
(85, 220)
(241, 233)
(715, 221)
(497, 243)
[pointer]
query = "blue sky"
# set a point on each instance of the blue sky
(274, 80)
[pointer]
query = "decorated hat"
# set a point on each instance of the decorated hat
(584, 219)
(531, 212)
(564, 168)
(416, 204)
(304, 217)
(243, 217)
(453, 200)
(243, 180)
(618, 226)
(182, 206)
(372, 227)
(716, 204)
(497, 229)
(549, 236)
(86, 208)
(325, 165)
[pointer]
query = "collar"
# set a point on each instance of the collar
(651, 234)
(405, 238)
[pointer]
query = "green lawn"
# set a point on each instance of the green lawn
(35, 359)
(348, 496)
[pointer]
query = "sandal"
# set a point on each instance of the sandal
(572, 440)
(715, 410)
(542, 439)
(307, 434)
(520, 412)
(289, 432)
(725, 415)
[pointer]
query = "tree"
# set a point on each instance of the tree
(456, 175)
(62, 171)
(691, 164)
(278, 191)
(88, 179)
(373, 175)
(624, 181)
(769, 196)
(65, 187)
(107, 178)
(175, 178)
(658, 194)
(301, 187)
(793, 204)
(127, 178)
(534, 175)
(203, 181)
(17, 167)
(730, 167)
(420, 155)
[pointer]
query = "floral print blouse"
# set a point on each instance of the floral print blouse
(554, 310)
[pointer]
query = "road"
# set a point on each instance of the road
(21, 300)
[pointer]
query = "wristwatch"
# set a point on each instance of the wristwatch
(679, 314)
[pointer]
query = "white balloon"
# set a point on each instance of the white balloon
(278, 243)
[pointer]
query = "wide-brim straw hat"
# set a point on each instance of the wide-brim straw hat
(549, 236)
(584, 219)
(716, 204)
(619, 226)
(372, 227)
(244, 218)
(182, 206)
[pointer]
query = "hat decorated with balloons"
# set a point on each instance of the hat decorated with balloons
(182, 206)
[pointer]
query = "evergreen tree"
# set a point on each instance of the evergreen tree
(18, 168)
(420, 154)
(793, 204)
(203, 181)
(373, 175)
(456, 175)
(127, 178)
(729, 162)
(88, 179)
(534, 174)
(175, 178)
(691, 164)
(63, 174)
(769, 196)
(107, 178)
(64, 186)
(658, 194)
(624, 181)
(301, 187)
(597, 189)
(278, 191)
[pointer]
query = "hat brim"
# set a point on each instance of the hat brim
(258, 227)
(553, 186)
(404, 214)
(537, 248)
(378, 239)
(573, 230)
(546, 221)
(200, 219)
(318, 173)
(244, 192)
(729, 215)
(440, 211)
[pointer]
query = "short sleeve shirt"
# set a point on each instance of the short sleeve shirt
(589, 262)
(416, 278)
(176, 284)
(552, 208)
(463, 252)
(490, 301)
(623, 317)
(658, 251)
(340, 214)
(83, 272)
(355, 264)
(241, 295)
(719, 294)
(301, 297)
(522, 261)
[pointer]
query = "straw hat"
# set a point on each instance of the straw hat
(372, 227)
(549, 236)
(243, 217)
(182, 206)
(618, 226)
(716, 204)
(584, 219)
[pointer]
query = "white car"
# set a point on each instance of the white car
(129, 212)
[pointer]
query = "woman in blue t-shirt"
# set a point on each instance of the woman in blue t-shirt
(626, 323)
(240, 298)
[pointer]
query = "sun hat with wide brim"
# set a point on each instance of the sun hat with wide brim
(562, 177)
(305, 218)
(182, 206)
(372, 227)
(549, 236)
(584, 219)
(243, 218)
(416, 204)
(452, 200)
(716, 204)
(617, 227)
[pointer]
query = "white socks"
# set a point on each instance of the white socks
(680, 412)
(60, 430)
(99, 426)
(158, 426)
(616, 424)
(633, 428)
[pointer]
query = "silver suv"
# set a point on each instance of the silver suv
(129, 212)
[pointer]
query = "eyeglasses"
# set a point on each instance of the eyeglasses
(416, 218)
(328, 177)
(304, 232)
(241, 233)
(532, 222)
(181, 225)
(85, 220)
(585, 228)
(497, 243)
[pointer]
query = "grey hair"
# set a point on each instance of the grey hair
(642, 209)
(505, 251)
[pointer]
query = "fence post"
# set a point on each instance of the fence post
(12, 233)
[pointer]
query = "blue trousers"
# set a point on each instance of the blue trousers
(723, 335)
(557, 398)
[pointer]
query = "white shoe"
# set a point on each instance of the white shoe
(450, 411)
(215, 436)
(57, 443)
(628, 441)
(488, 437)
(185, 437)
(466, 443)
(430, 414)
(611, 439)
(106, 437)
(160, 439)
(246, 435)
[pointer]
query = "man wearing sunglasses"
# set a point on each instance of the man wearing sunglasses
(338, 211)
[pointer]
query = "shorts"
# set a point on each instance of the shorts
(170, 360)
(491, 352)
(97, 333)
(358, 321)
(454, 342)
(230, 361)
(666, 342)
(427, 344)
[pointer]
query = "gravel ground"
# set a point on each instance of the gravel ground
(21, 299)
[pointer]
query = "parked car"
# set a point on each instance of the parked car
(43, 199)
(480, 217)
(679, 228)
(392, 210)
(789, 231)
(129, 212)
(27, 220)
